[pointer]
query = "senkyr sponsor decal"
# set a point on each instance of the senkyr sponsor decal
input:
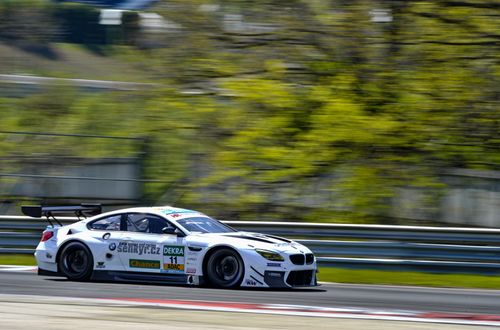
(138, 248)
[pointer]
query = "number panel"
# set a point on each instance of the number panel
(173, 258)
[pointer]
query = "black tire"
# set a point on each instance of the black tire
(76, 262)
(225, 269)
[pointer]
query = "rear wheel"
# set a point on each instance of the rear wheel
(76, 262)
(225, 269)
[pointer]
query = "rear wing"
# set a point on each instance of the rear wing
(82, 210)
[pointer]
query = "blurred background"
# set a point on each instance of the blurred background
(355, 111)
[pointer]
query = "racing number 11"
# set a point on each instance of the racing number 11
(173, 258)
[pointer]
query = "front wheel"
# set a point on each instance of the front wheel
(225, 269)
(76, 262)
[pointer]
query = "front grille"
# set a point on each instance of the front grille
(300, 277)
(309, 258)
(297, 259)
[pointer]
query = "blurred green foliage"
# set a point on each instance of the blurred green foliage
(27, 22)
(304, 110)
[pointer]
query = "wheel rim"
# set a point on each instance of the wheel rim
(76, 261)
(227, 270)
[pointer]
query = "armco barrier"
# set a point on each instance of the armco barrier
(430, 249)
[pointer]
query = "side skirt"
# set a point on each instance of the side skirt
(104, 275)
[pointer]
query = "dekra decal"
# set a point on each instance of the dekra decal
(173, 250)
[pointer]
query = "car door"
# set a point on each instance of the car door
(173, 251)
(142, 246)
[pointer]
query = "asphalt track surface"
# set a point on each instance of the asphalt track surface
(327, 295)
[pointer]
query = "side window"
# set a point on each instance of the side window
(108, 223)
(146, 223)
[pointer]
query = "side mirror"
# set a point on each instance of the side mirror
(172, 231)
(169, 230)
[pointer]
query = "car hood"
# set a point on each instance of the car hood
(259, 241)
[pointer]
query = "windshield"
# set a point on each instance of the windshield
(204, 225)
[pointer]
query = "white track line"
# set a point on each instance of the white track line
(10, 268)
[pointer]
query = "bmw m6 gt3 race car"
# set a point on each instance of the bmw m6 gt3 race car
(167, 245)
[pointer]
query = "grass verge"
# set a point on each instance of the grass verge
(17, 259)
(358, 276)
(355, 276)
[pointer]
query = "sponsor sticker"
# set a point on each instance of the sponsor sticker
(251, 282)
(173, 250)
(274, 274)
(138, 248)
(273, 264)
(173, 258)
(100, 265)
(177, 267)
(291, 244)
(138, 263)
(190, 270)
(177, 211)
(112, 246)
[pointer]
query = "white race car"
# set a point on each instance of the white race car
(168, 245)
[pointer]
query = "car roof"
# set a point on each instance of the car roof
(169, 212)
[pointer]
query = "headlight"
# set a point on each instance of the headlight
(270, 255)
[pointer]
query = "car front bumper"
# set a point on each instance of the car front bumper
(290, 279)
(263, 273)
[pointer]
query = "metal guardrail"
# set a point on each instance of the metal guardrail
(83, 83)
(429, 249)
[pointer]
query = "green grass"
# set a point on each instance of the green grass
(408, 278)
(17, 259)
(355, 276)
(72, 61)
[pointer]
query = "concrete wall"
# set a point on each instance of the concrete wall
(100, 179)
(471, 197)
